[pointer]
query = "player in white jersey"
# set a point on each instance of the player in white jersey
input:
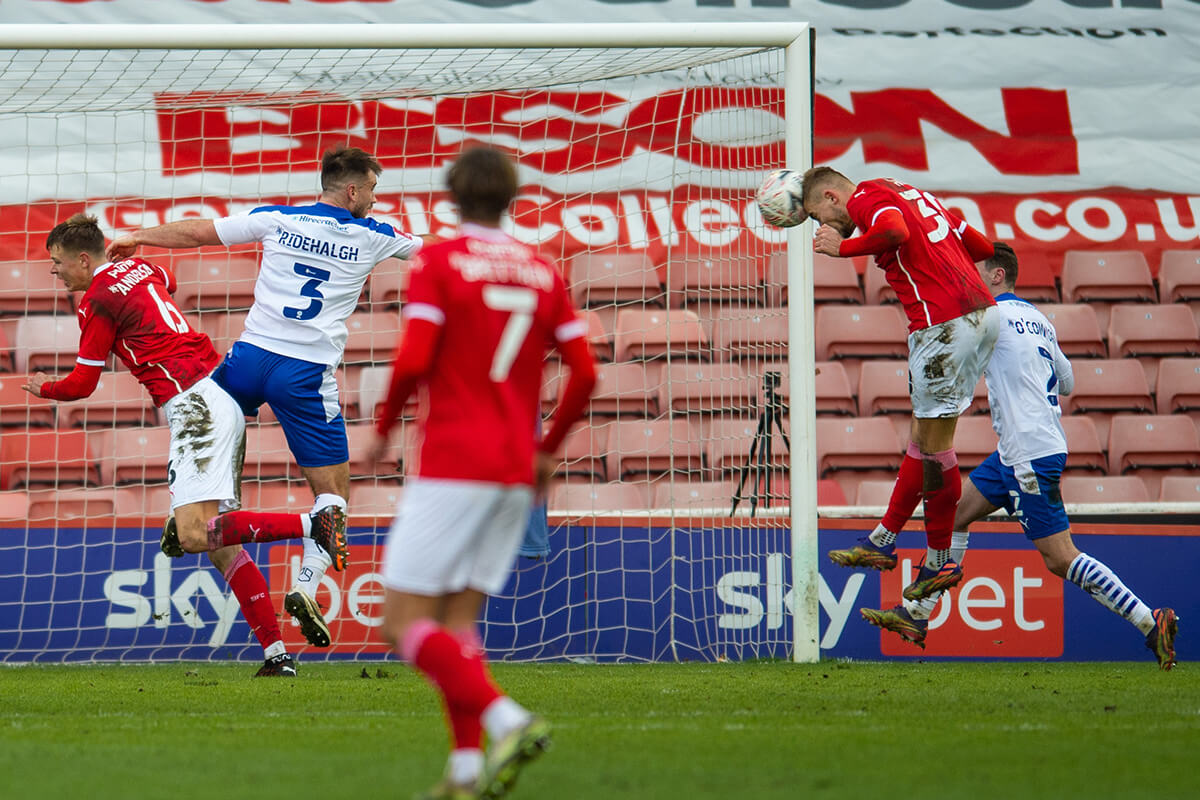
(1025, 377)
(315, 261)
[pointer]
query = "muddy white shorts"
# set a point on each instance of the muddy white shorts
(945, 361)
(453, 535)
(208, 445)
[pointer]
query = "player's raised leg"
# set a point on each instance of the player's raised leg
(1096, 578)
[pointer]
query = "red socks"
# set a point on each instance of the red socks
(941, 503)
(250, 588)
(456, 666)
(247, 527)
(907, 491)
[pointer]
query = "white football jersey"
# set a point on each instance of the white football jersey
(1025, 376)
(314, 264)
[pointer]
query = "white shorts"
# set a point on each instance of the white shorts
(208, 445)
(453, 535)
(945, 361)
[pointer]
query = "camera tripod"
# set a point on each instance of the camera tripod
(759, 463)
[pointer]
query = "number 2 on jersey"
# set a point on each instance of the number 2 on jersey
(520, 303)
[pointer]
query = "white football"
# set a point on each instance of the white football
(780, 200)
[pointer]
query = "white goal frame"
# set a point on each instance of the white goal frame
(795, 40)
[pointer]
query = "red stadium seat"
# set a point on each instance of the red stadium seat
(118, 400)
(600, 333)
(29, 288)
(132, 455)
(372, 337)
(830, 493)
(760, 334)
(835, 280)
(1158, 441)
(1078, 330)
(1153, 330)
(655, 446)
(874, 493)
(48, 344)
(280, 497)
(98, 504)
(1123, 276)
(60, 458)
(20, 409)
(585, 452)
(1108, 385)
(267, 454)
(706, 276)
(657, 333)
(729, 442)
(614, 278)
(834, 392)
(630, 388)
(380, 501)
(860, 332)
(222, 327)
(974, 440)
(1179, 276)
(876, 288)
(690, 497)
(599, 498)
(14, 506)
(883, 388)
(1036, 280)
(1103, 489)
(1085, 448)
(215, 281)
(1179, 489)
(697, 387)
(360, 436)
(860, 443)
(1178, 385)
(388, 284)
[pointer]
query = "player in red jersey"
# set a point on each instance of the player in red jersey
(126, 308)
(482, 311)
(928, 255)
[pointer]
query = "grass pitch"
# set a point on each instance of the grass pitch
(677, 731)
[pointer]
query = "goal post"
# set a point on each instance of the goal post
(639, 147)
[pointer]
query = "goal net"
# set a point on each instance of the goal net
(681, 524)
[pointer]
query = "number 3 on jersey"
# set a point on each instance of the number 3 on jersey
(311, 288)
(521, 305)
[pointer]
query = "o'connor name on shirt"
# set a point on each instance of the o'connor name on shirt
(310, 244)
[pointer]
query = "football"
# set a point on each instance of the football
(780, 200)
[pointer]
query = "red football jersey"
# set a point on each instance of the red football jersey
(932, 274)
(500, 307)
(128, 310)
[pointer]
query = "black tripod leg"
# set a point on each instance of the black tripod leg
(737, 496)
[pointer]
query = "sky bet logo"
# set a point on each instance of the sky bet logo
(1007, 606)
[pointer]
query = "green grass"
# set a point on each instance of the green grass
(677, 731)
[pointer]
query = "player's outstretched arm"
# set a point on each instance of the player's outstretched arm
(183, 233)
(888, 232)
(79, 384)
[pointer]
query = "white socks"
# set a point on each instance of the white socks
(316, 561)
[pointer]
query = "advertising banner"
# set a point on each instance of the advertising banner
(608, 592)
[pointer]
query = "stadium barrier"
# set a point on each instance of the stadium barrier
(613, 589)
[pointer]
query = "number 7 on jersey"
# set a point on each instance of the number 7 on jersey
(521, 305)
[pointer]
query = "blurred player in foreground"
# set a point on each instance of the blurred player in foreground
(126, 308)
(482, 311)
(928, 255)
(1025, 377)
(315, 261)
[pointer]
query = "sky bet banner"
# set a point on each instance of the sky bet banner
(606, 593)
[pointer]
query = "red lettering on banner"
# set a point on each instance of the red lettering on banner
(563, 132)
(888, 122)
(1008, 606)
(351, 601)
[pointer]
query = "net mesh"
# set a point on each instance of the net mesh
(638, 168)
